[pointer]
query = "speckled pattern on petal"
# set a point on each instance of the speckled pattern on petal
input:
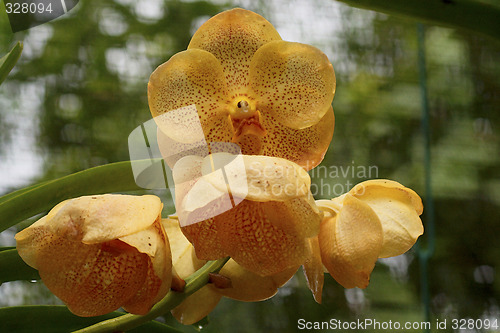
(306, 147)
(91, 279)
(255, 243)
(204, 236)
(233, 37)
(192, 77)
(293, 81)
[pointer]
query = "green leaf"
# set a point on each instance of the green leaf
(474, 15)
(22, 204)
(57, 318)
(16, 193)
(13, 268)
(8, 61)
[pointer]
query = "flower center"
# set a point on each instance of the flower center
(245, 119)
(242, 110)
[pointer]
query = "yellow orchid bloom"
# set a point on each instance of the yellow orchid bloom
(242, 284)
(100, 253)
(375, 219)
(269, 96)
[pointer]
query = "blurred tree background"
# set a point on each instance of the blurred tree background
(79, 89)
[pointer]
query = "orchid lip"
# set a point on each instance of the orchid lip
(250, 125)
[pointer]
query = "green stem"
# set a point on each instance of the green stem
(24, 203)
(173, 299)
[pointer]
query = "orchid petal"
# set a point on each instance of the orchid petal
(260, 178)
(96, 219)
(299, 216)
(398, 209)
(245, 285)
(172, 151)
(190, 78)
(28, 241)
(128, 265)
(185, 173)
(90, 279)
(314, 269)
(350, 243)
(153, 242)
(197, 306)
(183, 256)
(255, 227)
(251, 287)
(294, 82)
(205, 237)
(233, 37)
(306, 147)
(248, 236)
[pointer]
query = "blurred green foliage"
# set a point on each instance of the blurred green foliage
(92, 68)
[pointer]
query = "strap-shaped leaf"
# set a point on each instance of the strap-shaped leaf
(24, 203)
(13, 268)
(8, 61)
(57, 318)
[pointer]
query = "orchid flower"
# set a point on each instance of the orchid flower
(269, 96)
(100, 253)
(267, 231)
(375, 219)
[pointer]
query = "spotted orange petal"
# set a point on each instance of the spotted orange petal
(153, 242)
(298, 216)
(248, 236)
(91, 279)
(127, 264)
(183, 256)
(205, 238)
(100, 218)
(292, 81)
(257, 178)
(233, 37)
(278, 207)
(244, 285)
(190, 78)
(306, 147)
